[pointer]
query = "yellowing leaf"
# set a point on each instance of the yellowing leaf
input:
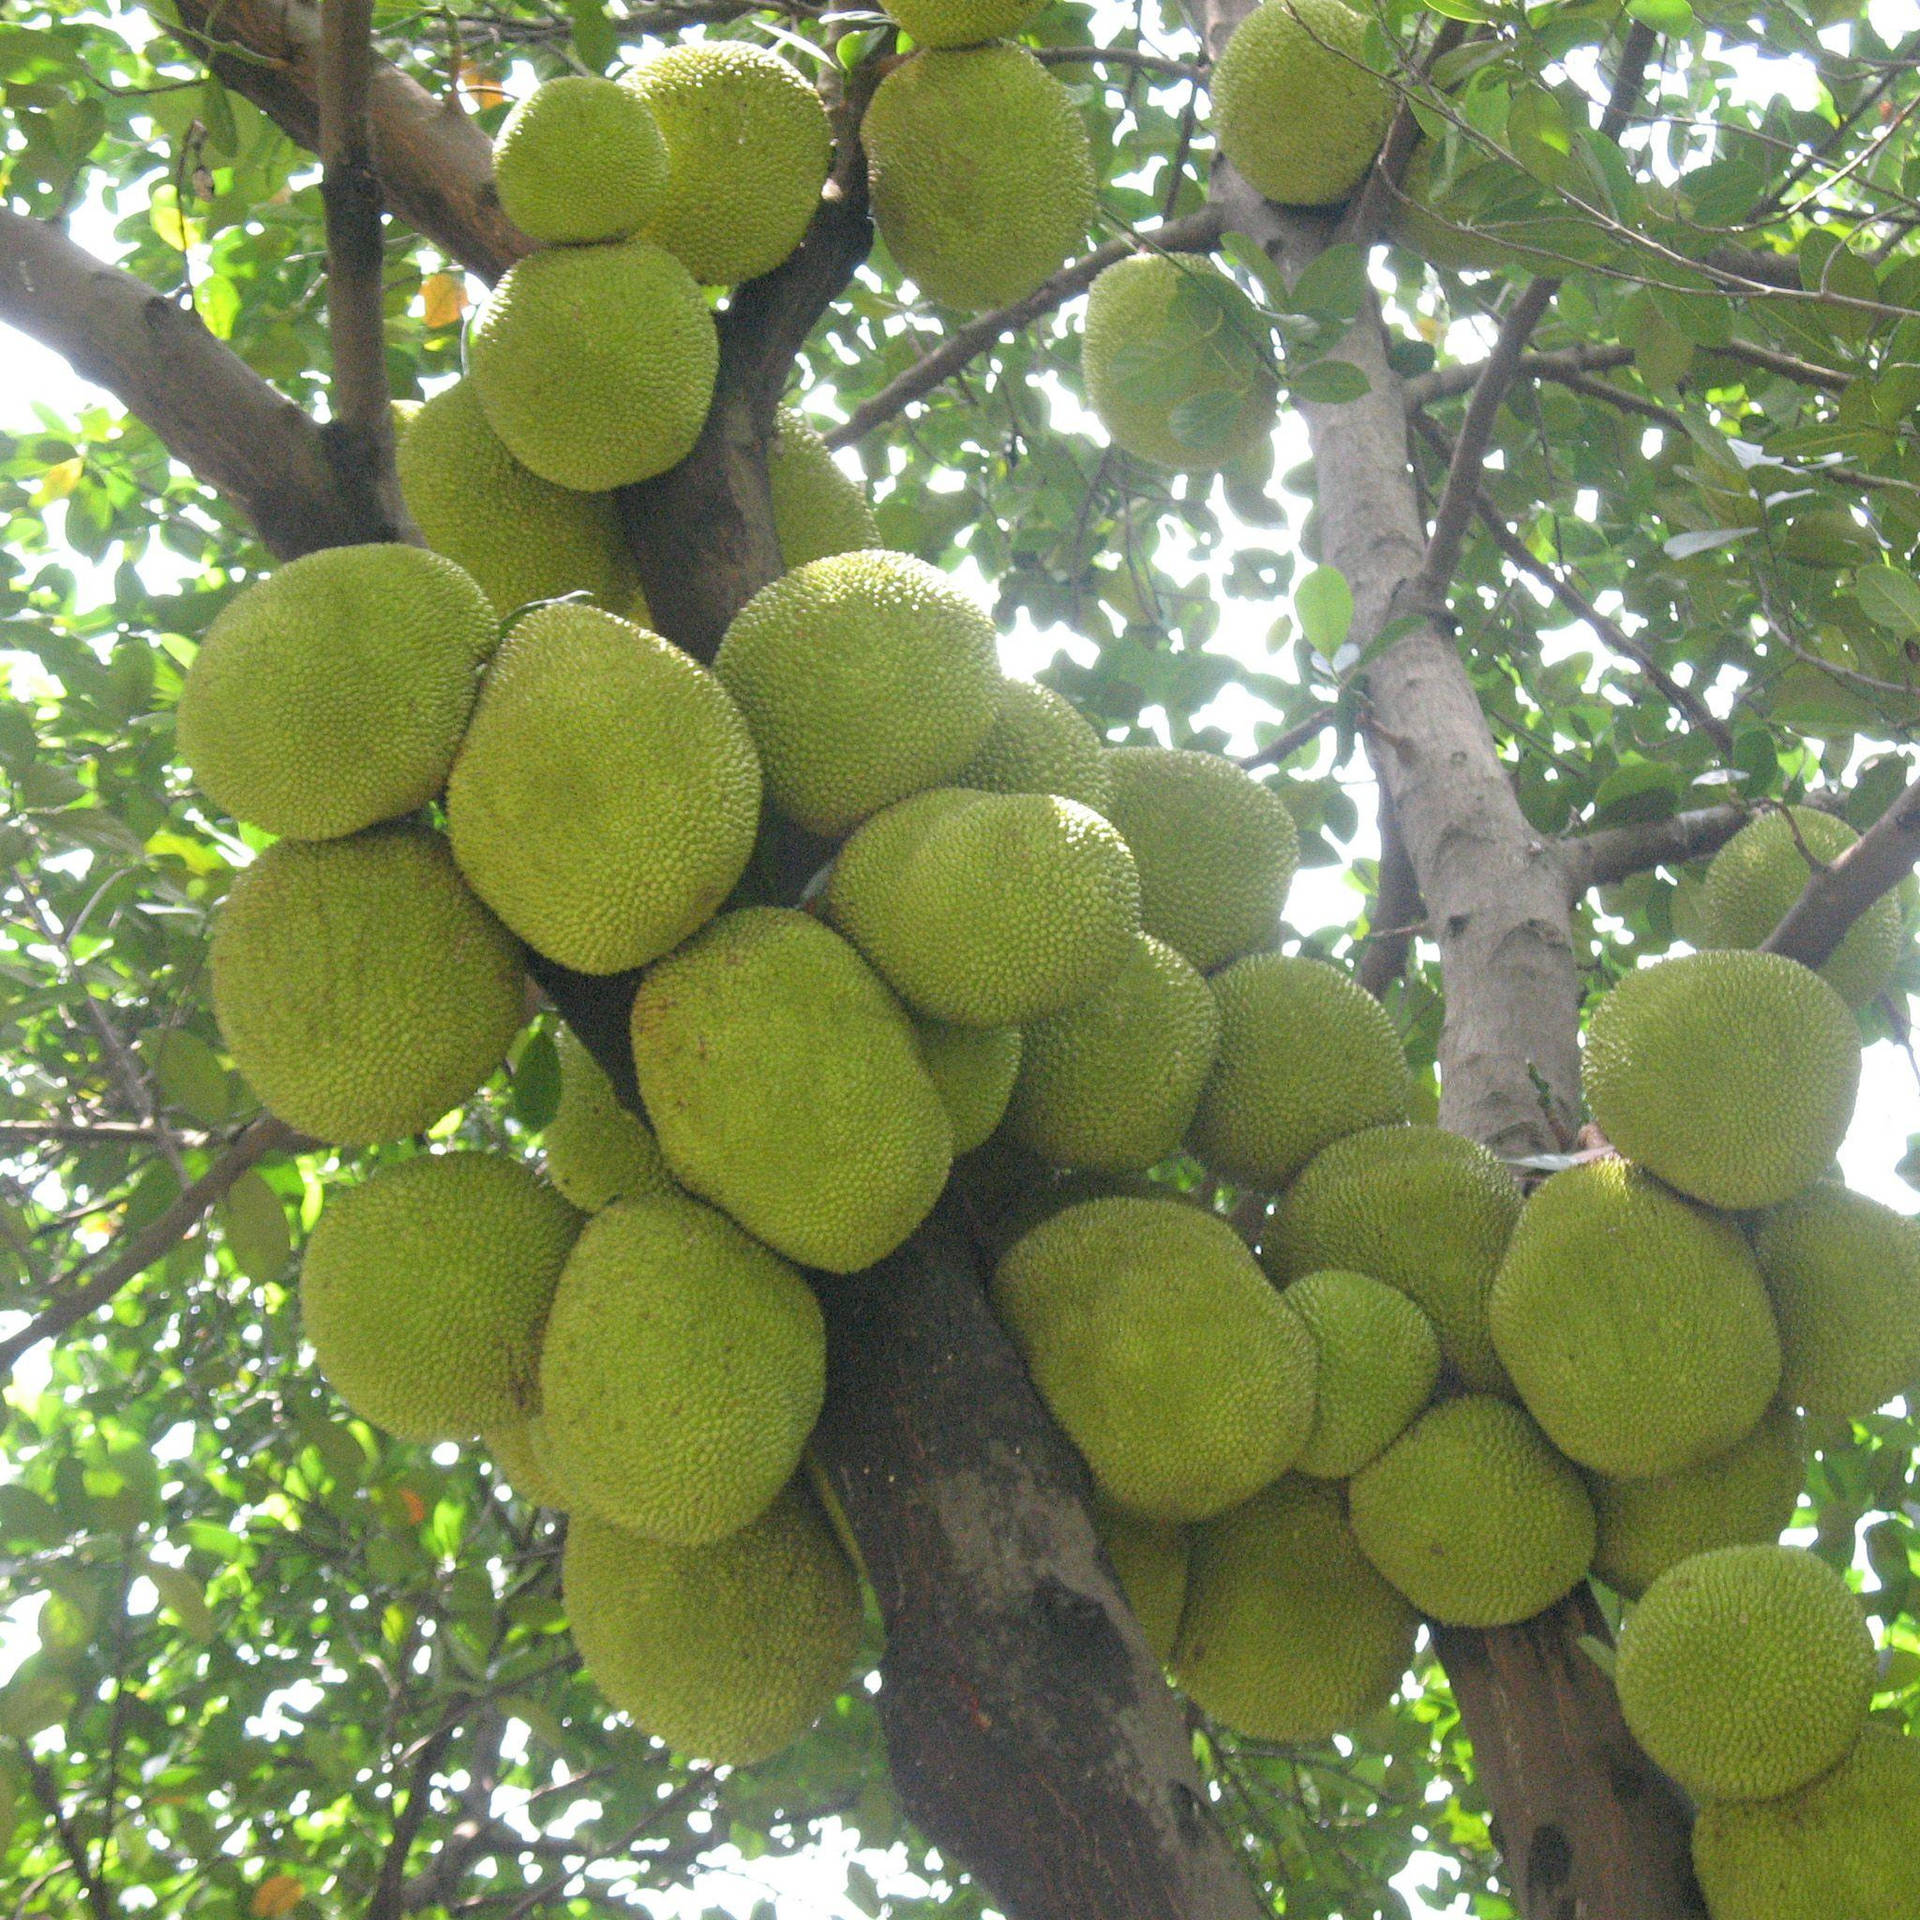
(443, 299)
(413, 1506)
(58, 481)
(164, 213)
(481, 87)
(277, 1896)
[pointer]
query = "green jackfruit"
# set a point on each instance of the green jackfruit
(865, 677)
(596, 364)
(1473, 1516)
(1111, 1084)
(981, 173)
(597, 1151)
(785, 1086)
(1379, 1359)
(728, 1651)
(1038, 743)
(1730, 1075)
(1289, 1633)
(1161, 1348)
(331, 695)
(1216, 850)
(974, 1068)
(607, 795)
(1746, 1672)
(1635, 1325)
(579, 159)
(962, 23)
(682, 1370)
(1305, 1057)
(360, 986)
(515, 1447)
(1150, 1561)
(748, 143)
(424, 1289)
(818, 510)
(1419, 1208)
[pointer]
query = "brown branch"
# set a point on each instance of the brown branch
(389, 1893)
(1296, 736)
(1394, 916)
(1837, 894)
(1445, 383)
(1120, 57)
(89, 1132)
(1370, 209)
(1613, 854)
(99, 1896)
(1789, 366)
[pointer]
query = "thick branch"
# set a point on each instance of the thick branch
(1614, 854)
(1396, 911)
(1838, 894)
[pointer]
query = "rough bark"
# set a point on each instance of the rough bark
(1838, 894)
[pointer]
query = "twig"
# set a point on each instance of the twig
(1120, 57)
(1614, 854)
(1366, 216)
(1395, 915)
(99, 1899)
(1836, 895)
(85, 1132)
(1789, 366)
(1296, 736)
(1445, 383)
(389, 1892)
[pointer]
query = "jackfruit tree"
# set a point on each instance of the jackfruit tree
(959, 959)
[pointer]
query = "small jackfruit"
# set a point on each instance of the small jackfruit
(424, 1290)
(1379, 1359)
(1473, 1516)
(1634, 1324)
(580, 159)
(962, 23)
(817, 509)
(974, 1069)
(785, 1085)
(332, 694)
(1150, 1561)
(981, 173)
(607, 794)
(360, 986)
(1160, 1347)
(1305, 1057)
(1731, 1075)
(597, 1151)
(515, 1447)
(1746, 1672)
(596, 364)
(1038, 743)
(864, 677)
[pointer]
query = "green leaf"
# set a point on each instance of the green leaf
(1205, 421)
(1333, 285)
(536, 1082)
(1324, 603)
(1889, 597)
(1638, 790)
(253, 1221)
(1331, 382)
(594, 37)
(188, 1072)
(181, 1594)
(1663, 16)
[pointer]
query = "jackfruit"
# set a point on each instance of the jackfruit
(981, 173)
(360, 986)
(607, 795)
(1215, 848)
(1162, 1350)
(515, 1447)
(1112, 1083)
(987, 909)
(1746, 1672)
(1178, 363)
(727, 1651)
(1289, 1633)
(1305, 1057)
(595, 364)
(1844, 1275)
(962, 23)
(818, 510)
(1379, 1359)
(1473, 1516)
(424, 1289)
(1038, 743)
(331, 695)
(580, 159)
(785, 1086)
(1149, 1560)
(682, 1370)
(1741, 1497)
(597, 1151)
(974, 1069)
(1761, 872)
(748, 144)
(1426, 1211)
(1635, 1325)
(1845, 1844)
(1297, 107)
(865, 677)
(1731, 1075)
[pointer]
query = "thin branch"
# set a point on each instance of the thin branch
(99, 1897)
(1367, 215)
(1837, 894)
(1396, 912)
(1614, 854)
(89, 1132)
(1120, 57)
(1445, 383)
(1789, 366)
(389, 1894)
(1296, 736)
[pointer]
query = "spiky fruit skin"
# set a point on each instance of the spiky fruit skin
(598, 1152)
(1635, 1325)
(360, 986)
(728, 1651)
(1305, 1057)
(1216, 850)
(981, 173)
(1379, 1359)
(521, 537)
(596, 364)
(332, 694)
(1296, 108)
(987, 909)
(682, 1369)
(1161, 1349)
(1421, 1209)
(1761, 872)
(818, 510)
(1846, 1843)
(864, 677)
(1178, 363)
(785, 1086)
(963, 23)
(748, 145)
(1111, 1084)
(974, 1069)
(1746, 1672)
(1844, 1275)
(1150, 1561)
(424, 1290)
(1743, 1497)
(1731, 1075)
(1473, 1516)
(1038, 743)
(579, 160)
(607, 794)
(1289, 1633)
(515, 1447)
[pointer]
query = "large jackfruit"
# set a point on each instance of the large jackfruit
(597, 1151)
(817, 509)
(1149, 1559)
(974, 1068)
(1038, 743)
(1379, 1359)
(580, 159)
(515, 1448)
(332, 694)
(962, 23)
